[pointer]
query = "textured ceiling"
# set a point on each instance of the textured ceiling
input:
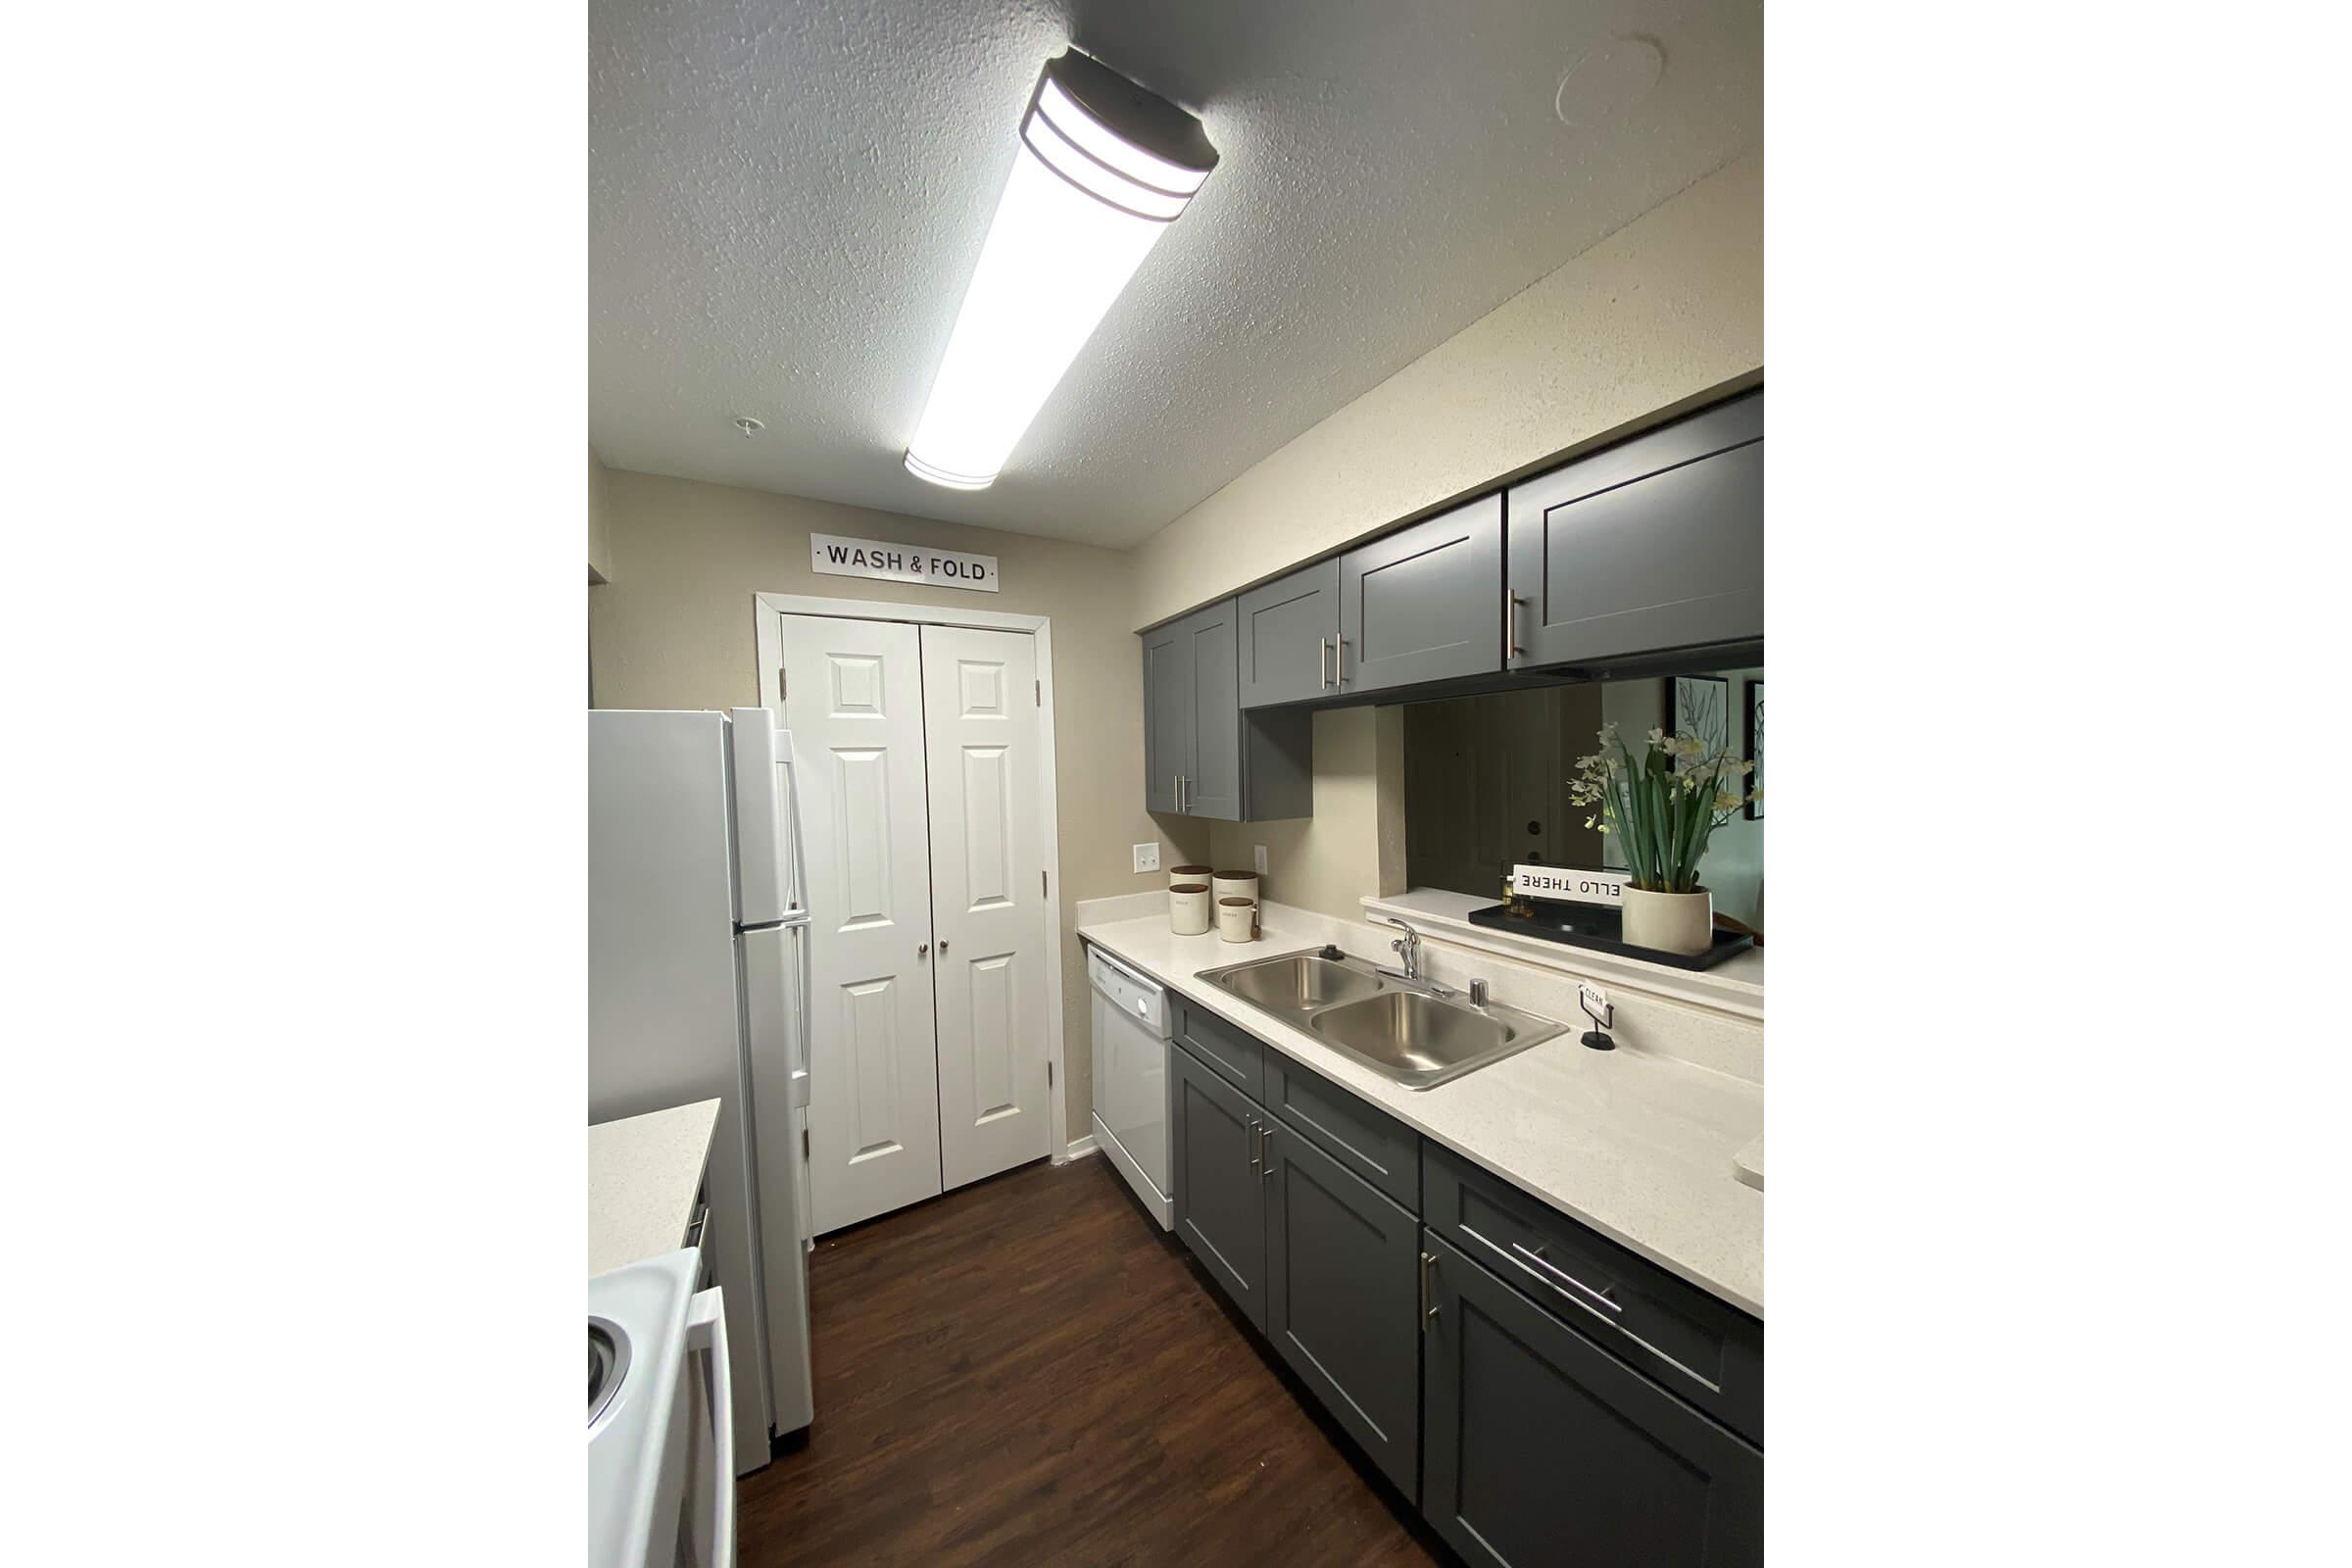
(787, 199)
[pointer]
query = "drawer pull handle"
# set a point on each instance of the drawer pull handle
(1537, 1257)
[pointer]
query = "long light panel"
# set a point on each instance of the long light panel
(1103, 168)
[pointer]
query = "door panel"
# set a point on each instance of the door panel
(853, 701)
(1212, 785)
(1287, 628)
(1425, 603)
(988, 898)
(1220, 1202)
(1541, 1447)
(1342, 1283)
(1167, 716)
(1655, 544)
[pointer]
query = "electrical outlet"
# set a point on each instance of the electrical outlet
(1146, 857)
(1257, 861)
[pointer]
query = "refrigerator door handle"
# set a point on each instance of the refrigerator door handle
(802, 934)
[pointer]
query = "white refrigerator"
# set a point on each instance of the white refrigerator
(697, 987)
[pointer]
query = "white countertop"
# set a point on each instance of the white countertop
(643, 1174)
(1637, 1146)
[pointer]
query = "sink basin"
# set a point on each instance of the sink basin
(1398, 1028)
(1299, 982)
(1421, 1040)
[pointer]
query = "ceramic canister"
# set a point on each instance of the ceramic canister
(1236, 885)
(1189, 873)
(1187, 909)
(1237, 919)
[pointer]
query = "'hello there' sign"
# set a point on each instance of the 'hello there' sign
(1569, 885)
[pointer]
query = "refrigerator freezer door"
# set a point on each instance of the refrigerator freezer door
(774, 1001)
(766, 837)
(665, 1000)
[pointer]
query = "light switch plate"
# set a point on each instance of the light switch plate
(1146, 857)
(1257, 861)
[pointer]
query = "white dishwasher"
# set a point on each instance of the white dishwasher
(1131, 1079)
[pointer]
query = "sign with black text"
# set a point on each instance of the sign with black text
(1569, 885)
(836, 557)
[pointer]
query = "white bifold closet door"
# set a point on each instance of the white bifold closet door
(988, 898)
(853, 701)
(926, 861)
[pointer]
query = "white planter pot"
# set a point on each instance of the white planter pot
(1670, 923)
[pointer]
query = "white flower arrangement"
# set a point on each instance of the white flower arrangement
(1663, 805)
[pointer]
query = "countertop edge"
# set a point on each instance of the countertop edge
(1306, 1052)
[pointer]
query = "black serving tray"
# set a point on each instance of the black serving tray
(1602, 928)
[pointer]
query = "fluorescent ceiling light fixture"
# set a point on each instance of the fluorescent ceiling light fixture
(1102, 168)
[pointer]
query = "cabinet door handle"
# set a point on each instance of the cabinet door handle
(943, 947)
(1339, 663)
(922, 951)
(1535, 1256)
(1322, 663)
(1429, 1307)
(1265, 1156)
(1510, 625)
(1253, 1121)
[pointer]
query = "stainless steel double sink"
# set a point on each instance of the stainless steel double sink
(1418, 1034)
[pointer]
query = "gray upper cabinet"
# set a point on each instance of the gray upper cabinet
(1202, 755)
(1343, 1300)
(1544, 1449)
(1212, 782)
(1425, 603)
(1167, 716)
(1652, 545)
(1217, 1133)
(1289, 632)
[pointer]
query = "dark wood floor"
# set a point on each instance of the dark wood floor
(1029, 1371)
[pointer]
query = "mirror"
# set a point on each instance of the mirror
(1486, 780)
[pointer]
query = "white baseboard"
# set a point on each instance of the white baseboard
(1079, 1148)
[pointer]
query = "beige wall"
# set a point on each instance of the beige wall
(1662, 313)
(600, 532)
(1354, 846)
(673, 628)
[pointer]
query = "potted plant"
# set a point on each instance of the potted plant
(1662, 805)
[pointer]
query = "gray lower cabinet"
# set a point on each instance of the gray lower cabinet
(1234, 1055)
(1553, 1401)
(1220, 1195)
(1655, 544)
(1343, 1281)
(1202, 755)
(1542, 1448)
(1290, 629)
(1425, 603)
